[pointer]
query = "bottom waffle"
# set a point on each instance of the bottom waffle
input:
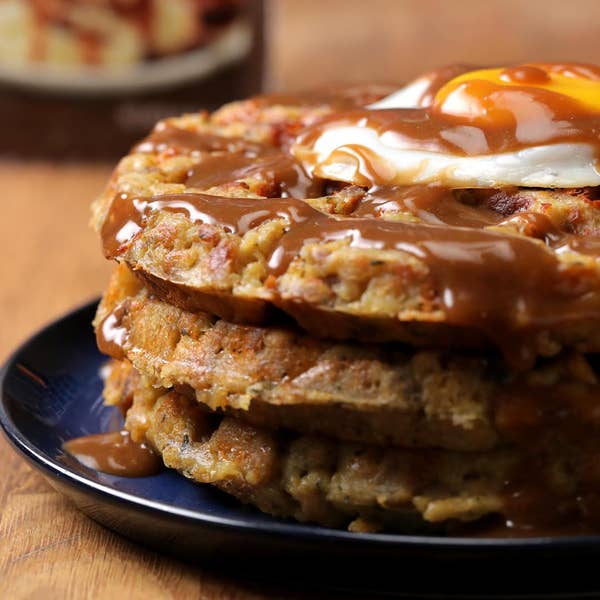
(360, 486)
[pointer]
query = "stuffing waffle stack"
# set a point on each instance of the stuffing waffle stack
(302, 327)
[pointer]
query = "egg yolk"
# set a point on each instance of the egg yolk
(492, 95)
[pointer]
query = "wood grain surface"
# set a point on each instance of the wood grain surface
(51, 261)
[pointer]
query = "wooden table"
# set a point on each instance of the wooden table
(51, 261)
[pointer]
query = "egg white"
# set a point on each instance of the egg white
(407, 97)
(554, 165)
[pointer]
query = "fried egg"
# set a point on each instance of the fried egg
(532, 125)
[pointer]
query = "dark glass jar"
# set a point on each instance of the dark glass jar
(82, 79)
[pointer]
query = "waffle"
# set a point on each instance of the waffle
(216, 215)
(281, 377)
(341, 484)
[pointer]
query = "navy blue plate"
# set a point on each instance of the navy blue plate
(51, 392)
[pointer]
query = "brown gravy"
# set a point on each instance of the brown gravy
(114, 453)
(279, 174)
(112, 334)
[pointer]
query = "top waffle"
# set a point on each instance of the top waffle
(215, 213)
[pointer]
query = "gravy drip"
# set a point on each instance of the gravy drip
(280, 174)
(560, 421)
(174, 140)
(430, 204)
(230, 159)
(114, 453)
(112, 334)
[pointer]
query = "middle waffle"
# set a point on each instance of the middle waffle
(280, 377)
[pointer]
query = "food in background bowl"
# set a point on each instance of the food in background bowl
(109, 33)
(369, 307)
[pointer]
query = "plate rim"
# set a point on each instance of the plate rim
(37, 458)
